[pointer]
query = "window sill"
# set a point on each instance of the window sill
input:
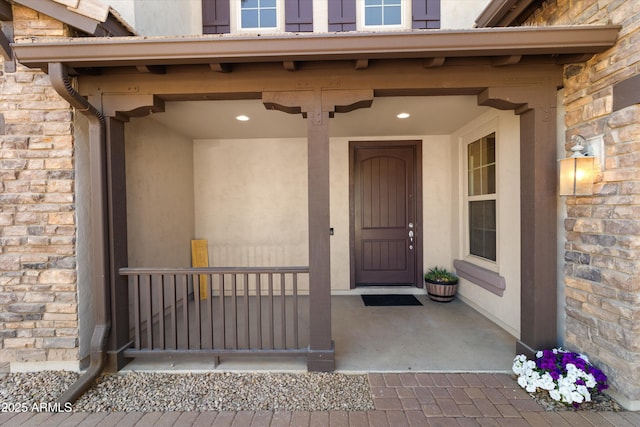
(487, 279)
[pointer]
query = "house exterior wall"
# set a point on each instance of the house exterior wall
(251, 201)
(161, 17)
(602, 232)
(39, 288)
(184, 17)
(160, 195)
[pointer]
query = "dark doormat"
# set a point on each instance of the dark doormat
(389, 300)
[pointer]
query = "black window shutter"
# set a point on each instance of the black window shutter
(342, 15)
(425, 14)
(298, 15)
(215, 16)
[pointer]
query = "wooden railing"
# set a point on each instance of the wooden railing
(217, 311)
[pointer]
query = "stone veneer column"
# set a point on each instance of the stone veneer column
(38, 224)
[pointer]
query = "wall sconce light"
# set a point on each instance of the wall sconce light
(577, 171)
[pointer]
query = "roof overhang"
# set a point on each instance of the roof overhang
(561, 43)
(503, 13)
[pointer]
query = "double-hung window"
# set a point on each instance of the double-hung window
(382, 13)
(258, 14)
(481, 198)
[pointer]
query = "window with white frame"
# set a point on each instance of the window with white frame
(384, 14)
(481, 198)
(258, 14)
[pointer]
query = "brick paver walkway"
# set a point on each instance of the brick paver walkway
(406, 399)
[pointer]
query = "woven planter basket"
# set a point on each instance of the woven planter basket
(441, 292)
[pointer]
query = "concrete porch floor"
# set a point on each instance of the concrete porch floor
(434, 337)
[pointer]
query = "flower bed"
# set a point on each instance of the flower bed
(568, 377)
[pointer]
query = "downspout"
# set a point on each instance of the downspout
(60, 81)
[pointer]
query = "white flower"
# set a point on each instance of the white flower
(522, 381)
(554, 394)
(539, 354)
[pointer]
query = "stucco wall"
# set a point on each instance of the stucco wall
(251, 201)
(160, 216)
(503, 310)
(161, 17)
(602, 232)
(184, 17)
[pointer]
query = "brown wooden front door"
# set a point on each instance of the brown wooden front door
(384, 205)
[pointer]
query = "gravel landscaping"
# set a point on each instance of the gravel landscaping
(203, 392)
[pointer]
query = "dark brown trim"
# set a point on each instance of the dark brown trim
(417, 146)
(118, 52)
(626, 93)
(6, 14)
(118, 243)
(487, 279)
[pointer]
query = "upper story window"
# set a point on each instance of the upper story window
(258, 14)
(481, 198)
(382, 12)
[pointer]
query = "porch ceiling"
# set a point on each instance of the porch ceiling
(429, 115)
(561, 43)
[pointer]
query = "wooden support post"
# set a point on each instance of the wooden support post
(318, 106)
(536, 106)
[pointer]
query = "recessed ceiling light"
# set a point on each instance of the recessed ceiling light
(242, 118)
(403, 115)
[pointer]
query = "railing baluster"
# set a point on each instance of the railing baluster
(223, 315)
(270, 306)
(283, 310)
(295, 311)
(149, 313)
(246, 311)
(135, 279)
(210, 307)
(161, 329)
(259, 310)
(174, 317)
(234, 310)
(196, 304)
(185, 308)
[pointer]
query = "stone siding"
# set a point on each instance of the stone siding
(38, 292)
(602, 246)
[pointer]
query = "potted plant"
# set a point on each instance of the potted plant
(442, 284)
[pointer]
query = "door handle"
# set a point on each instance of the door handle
(411, 238)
